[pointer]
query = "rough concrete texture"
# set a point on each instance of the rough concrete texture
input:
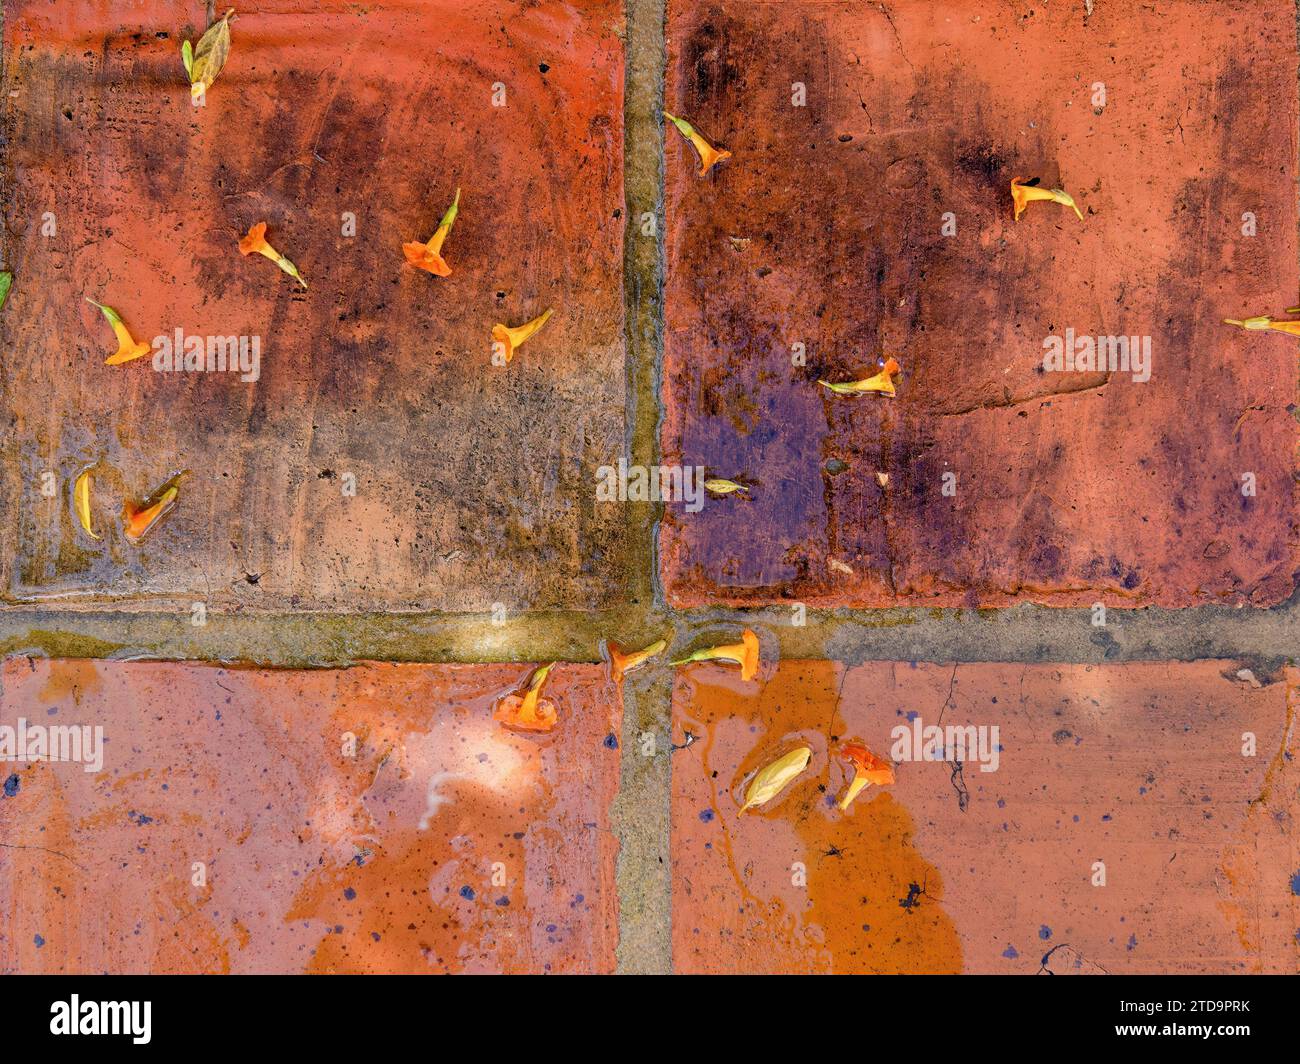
(445, 843)
(1139, 767)
(472, 481)
(826, 229)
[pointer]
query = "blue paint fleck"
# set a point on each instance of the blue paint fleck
(1295, 879)
(349, 893)
(11, 785)
(1132, 942)
(39, 941)
(467, 893)
(706, 815)
(611, 742)
(374, 935)
(1010, 953)
(503, 901)
(1044, 932)
(551, 928)
(1002, 803)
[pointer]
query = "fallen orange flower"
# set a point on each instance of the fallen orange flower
(882, 383)
(512, 338)
(140, 519)
(1024, 194)
(622, 662)
(709, 155)
(255, 240)
(429, 256)
(867, 769)
(745, 654)
(127, 349)
(1261, 323)
(529, 712)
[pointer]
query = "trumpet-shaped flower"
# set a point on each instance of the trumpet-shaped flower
(1024, 194)
(255, 241)
(881, 384)
(529, 711)
(1263, 322)
(509, 339)
(127, 349)
(709, 155)
(138, 520)
(745, 654)
(867, 769)
(429, 256)
(622, 662)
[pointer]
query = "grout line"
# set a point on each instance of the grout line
(641, 818)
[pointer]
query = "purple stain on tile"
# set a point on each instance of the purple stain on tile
(706, 816)
(1044, 932)
(39, 941)
(1010, 953)
(11, 785)
(611, 742)
(467, 892)
(349, 893)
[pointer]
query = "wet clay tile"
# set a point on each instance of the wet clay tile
(380, 460)
(370, 819)
(866, 213)
(1122, 828)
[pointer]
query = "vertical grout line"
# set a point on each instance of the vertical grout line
(641, 811)
(643, 275)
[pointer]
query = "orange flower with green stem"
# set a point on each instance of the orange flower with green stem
(1261, 323)
(881, 384)
(709, 155)
(529, 711)
(137, 520)
(622, 662)
(745, 654)
(1025, 193)
(429, 256)
(509, 339)
(127, 349)
(868, 769)
(255, 241)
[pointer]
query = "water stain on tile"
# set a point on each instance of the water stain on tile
(1124, 827)
(875, 219)
(468, 484)
(371, 819)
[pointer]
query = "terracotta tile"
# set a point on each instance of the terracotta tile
(1070, 487)
(1138, 766)
(314, 861)
(473, 483)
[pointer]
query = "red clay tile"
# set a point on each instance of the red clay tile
(1070, 487)
(1138, 766)
(314, 861)
(473, 483)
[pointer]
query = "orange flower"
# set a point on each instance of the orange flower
(140, 519)
(621, 662)
(127, 349)
(429, 256)
(745, 654)
(882, 383)
(867, 769)
(255, 240)
(1261, 323)
(709, 155)
(509, 338)
(529, 712)
(1024, 194)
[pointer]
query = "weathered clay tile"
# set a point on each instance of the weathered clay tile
(866, 212)
(1133, 773)
(445, 843)
(472, 481)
